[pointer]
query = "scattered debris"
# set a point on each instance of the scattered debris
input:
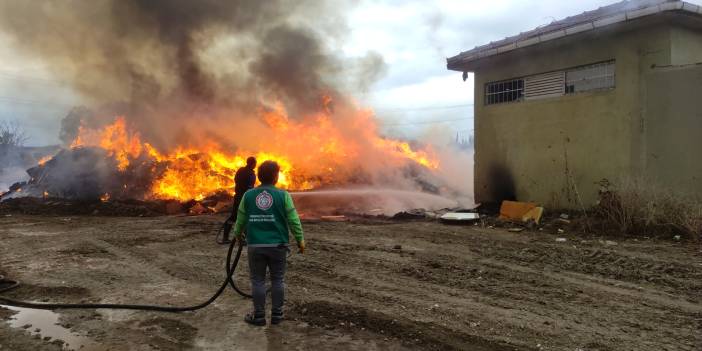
(564, 216)
(608, 243)
(534, 215)
(174, 207)
(516, 230)
(561, 240)
(561, 231)
(459, 217)
(222, 206)
(197, 209)
(64, 207)
(513, 210)
(339, 218)
(521, 211)
(397, 247)
(431, 214)
(410, 214)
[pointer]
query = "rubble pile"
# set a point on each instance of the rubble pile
(64, 207)
(123, 208)
(86, 173)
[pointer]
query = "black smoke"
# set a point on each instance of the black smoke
(167, 62)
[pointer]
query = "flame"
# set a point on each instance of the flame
(105, 197)
(115, 139)
(195, 174)
(404, 150)
(78, 141)
(311, 152)
(44, 160)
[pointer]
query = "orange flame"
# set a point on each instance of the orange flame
(44, 160)
(115, 139)
(195, 174)
(403, 149)
(311, 153)
(121, 145)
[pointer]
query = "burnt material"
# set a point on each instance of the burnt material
(86, 173)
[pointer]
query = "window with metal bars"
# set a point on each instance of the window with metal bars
(504, 91)
(591, 77)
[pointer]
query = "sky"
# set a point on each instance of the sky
(415, 95)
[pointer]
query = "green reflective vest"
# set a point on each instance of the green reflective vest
(267, 214)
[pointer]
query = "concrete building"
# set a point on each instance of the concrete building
(610, 94)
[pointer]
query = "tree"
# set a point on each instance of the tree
(12, 134)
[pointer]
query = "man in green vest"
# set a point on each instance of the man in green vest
(266, 214)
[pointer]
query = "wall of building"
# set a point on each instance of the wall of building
(674, 128)
(554, 151)
(686, 44)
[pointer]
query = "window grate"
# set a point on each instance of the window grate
(504, 91)
(591, 77)
(552, 84)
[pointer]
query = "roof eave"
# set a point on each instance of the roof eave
(466, 61)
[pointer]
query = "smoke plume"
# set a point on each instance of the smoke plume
(163, 63)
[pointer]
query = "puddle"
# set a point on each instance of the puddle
(47, 323)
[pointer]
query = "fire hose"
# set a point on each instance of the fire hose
(7, 284)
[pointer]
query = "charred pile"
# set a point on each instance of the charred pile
(63, 207)
(84, 173)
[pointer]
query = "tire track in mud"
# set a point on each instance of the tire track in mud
(414, 300)
(422, 284)
(411, 333)
(608, 309)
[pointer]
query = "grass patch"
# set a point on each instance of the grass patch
(640, 207)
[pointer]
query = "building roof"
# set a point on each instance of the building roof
(623, 11)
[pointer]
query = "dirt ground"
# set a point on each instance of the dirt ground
(363, 285)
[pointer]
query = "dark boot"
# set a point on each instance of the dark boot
(225, 232)
(255, 320)
(276, 318)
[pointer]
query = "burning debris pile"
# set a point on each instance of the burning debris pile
(113, 163)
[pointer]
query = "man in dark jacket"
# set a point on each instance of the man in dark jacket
(244, 179)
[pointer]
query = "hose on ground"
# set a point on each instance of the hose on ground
(6, 285)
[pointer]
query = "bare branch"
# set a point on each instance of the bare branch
(12, 134)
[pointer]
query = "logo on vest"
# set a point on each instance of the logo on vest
(264, 200)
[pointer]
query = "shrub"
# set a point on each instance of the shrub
(12, 134)
(638, 206)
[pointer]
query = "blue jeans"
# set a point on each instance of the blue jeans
(273, 259)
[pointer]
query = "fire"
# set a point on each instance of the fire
(114, 138)
(403, 149)
(105, 197)
(195, 174)
(44, 160)
(312, 152)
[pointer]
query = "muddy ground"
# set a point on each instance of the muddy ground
(363, 285)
